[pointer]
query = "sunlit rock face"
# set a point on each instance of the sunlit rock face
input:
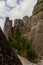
(7, 55)
(37, 27)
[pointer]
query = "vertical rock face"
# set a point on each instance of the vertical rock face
(7, 55)
(34, 22)
(8, 27)
(27, 23)
(38, 7)
(37, 27)
(19, 25)
(26, 20)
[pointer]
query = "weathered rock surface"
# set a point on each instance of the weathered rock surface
(7, 55)
(37, 28)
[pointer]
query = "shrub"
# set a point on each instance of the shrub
(19, 43)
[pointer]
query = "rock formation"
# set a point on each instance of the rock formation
(37, 27)
(32, 27)
(27, 23)
(7, 55)
(23, 25)
(19, 25)
(8, 27)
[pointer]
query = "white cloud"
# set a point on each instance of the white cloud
(24, 8)
(3, 11)
(11, 2)
(2, 4)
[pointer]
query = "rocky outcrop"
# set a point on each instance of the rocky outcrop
(31, 27)
(38, 7)
(27, 23)
(37, 28)
(23, 25)
(19, 25)
(7, 55)
(8, 27)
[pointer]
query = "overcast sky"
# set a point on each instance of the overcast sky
(15, 9)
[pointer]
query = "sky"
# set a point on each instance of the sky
(15, 9)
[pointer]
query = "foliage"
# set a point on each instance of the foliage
(30, 51)
(19, 43)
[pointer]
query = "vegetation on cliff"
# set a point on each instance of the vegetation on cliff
(22, 46)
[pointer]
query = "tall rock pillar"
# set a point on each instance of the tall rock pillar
(8, 27)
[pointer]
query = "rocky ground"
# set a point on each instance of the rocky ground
(26, 62)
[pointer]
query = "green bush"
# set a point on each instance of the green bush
(19, 43)
(31, 54)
